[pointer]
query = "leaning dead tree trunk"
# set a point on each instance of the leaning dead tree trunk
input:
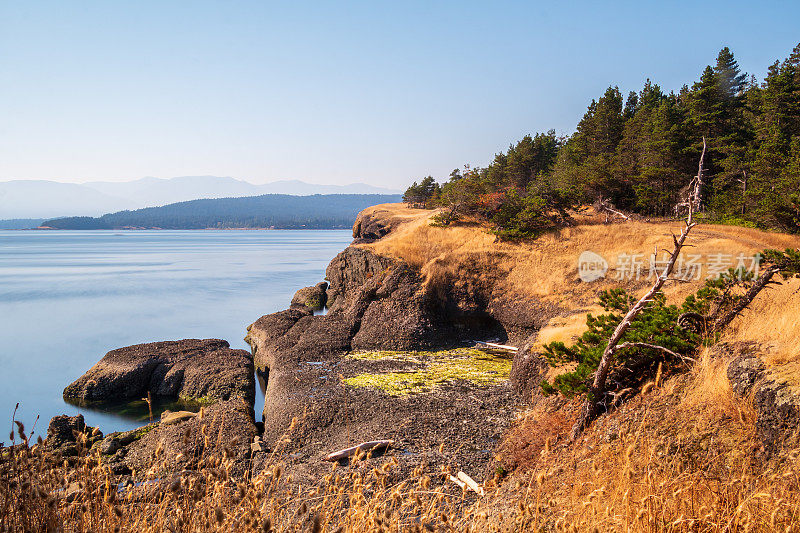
(758, 285)
(604, 206)
(591, 407)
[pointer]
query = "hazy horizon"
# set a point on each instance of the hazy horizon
(246, 180)
(334, 93)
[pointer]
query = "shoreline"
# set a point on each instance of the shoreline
(343, 228)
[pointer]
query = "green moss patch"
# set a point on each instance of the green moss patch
(437, 367)
(194, 403)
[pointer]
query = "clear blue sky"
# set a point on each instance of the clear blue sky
(335, 92)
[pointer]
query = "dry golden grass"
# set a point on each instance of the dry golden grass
(566, 329)
(773, 320)
(678, 458)
(39, 492)
(546, 268)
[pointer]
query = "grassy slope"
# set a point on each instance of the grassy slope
(547, 267)
(679, 457)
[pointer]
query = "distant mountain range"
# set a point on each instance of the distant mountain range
(279, 211)
(40, 199)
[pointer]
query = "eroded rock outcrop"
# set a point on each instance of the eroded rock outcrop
(180, 443)
(375, 302)
(776, 402)
(69, 435)
(192, 369)
(371, 225)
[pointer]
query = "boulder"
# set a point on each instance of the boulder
(314, 297)
(528, 369)
(68, 435)
(267, 330)
(224, 429)
(110, 445)
(191, 369)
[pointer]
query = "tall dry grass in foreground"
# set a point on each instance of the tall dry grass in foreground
(679, 458)
(39, 492)
(684, 456)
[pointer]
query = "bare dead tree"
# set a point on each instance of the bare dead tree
(598, 388)
(605, 206)
(758, 285)
(743, 181)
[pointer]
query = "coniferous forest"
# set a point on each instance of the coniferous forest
(635, 153)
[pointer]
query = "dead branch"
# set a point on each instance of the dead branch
(654, 347)
(603, 205)
(597, 389)
(760, 283)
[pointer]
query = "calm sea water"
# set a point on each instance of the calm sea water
(66, 298)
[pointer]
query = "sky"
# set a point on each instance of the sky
(335, 92)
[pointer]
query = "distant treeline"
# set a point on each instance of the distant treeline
(280, 211)
(638, 152)
(20, 223)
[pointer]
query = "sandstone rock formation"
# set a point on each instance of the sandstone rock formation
(191, 369)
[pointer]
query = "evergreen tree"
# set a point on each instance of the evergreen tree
(731, 80)
(637, 155)
(421, 194)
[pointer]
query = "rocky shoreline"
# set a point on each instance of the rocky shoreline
(393, 358)
(324, 377)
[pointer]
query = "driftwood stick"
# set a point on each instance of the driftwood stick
(458, 482)
(363, 447)
(498, 346)
(470, 483)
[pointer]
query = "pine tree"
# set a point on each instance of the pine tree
(731, 80)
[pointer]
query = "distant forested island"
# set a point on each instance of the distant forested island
(279, 211)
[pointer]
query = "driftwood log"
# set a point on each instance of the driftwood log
(364, 447)
(498, 346)
(463, 480)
